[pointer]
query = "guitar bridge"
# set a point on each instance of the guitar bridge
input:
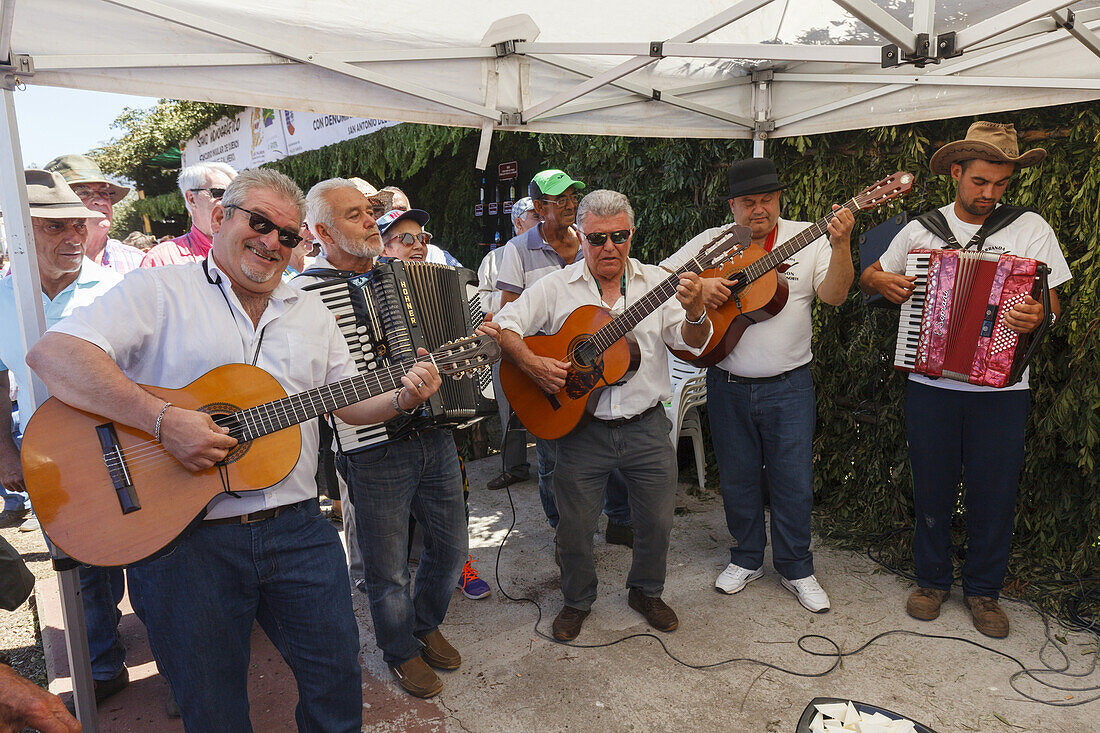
(115, 462)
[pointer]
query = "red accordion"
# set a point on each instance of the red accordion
(953, 325)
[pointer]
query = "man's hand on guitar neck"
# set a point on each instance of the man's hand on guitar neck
(194, 439)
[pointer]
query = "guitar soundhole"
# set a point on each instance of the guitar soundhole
(583, 354)
(223, 414)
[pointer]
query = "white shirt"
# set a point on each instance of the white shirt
(167, 326)
(545, 305)
(1029, 236)
(782, 342)
(487, 280)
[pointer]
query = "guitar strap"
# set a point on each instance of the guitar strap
(935, 222)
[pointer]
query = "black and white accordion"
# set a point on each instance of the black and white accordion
(385, 315)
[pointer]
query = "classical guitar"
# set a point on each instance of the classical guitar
(599, 348)
(759, 292)
(108, 494)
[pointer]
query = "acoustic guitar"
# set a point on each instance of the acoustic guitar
(108, 494)
(759, 292)
(599, 348)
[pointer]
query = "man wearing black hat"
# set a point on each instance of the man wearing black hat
(760, 398)
(956, 429)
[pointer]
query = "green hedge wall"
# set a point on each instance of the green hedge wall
(678, 188)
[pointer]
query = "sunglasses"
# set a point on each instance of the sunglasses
(262, 225)
(598, 239)
(409, 239)
(215, 193)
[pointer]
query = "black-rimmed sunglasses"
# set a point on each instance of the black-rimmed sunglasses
(215, 193)
(598, 239)
(262, 225)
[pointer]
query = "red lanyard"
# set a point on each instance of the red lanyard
(770, 241)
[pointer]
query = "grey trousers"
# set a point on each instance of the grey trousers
(644, 455)
(513, 444)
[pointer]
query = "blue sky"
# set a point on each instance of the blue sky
(54, 121)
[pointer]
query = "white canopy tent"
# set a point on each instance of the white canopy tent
(708, 69)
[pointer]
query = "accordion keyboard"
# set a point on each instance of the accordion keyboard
(912, 310)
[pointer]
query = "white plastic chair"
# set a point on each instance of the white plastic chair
(689, 390)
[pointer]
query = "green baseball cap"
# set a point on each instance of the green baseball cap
(551, 183)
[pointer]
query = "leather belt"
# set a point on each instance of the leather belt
(260, 516)
(618, 422)
(735, 379)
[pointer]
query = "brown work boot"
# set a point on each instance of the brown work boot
(438, 652)
(417, 678)
(924, 603)
(656, 612)
(568, 623)
(988, 616)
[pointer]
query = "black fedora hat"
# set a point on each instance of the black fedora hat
(753, 175)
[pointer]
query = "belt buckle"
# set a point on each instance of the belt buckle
(253, 517)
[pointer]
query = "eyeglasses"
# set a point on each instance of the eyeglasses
(569, 200)
(90, 194)
(598, 239)
(408, 238)
(215, 193)
(262, 225)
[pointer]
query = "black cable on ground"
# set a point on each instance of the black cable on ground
(1087, 625)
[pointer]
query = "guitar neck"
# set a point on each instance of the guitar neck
(793, 245)
(273, 416)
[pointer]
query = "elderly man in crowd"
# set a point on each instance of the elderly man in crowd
(263, 555)
(629, 430)
(100, 195)
(202, 186)
(69, 280)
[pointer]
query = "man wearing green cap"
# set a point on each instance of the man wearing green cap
(100, 195)
(545, 248)
(69, 280)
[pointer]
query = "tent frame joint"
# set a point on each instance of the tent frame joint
(1067, 22)
(762, 128)
(20, 66)
(506, 48)
(657, 49)
(946, 47)
(893, 56)
(512, 119)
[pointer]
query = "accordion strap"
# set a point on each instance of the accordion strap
(327, 273)
(935, 222)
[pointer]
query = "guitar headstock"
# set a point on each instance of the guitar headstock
(730, 237)
(885, 190)
(461, 358)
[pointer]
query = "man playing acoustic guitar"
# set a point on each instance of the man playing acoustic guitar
(760, 398)
(629, 431)
(265, 556)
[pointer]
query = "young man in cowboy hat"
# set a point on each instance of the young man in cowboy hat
(760, 398)
(100, 195)
(954, 427)
(69, 280)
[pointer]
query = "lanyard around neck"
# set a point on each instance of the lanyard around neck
(218, 282)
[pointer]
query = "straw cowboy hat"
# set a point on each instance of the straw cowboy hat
(82, 169)
(985, 141)
(49, 197)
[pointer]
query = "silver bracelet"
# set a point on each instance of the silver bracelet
(700, 322)
(397, 405)
(160, 419)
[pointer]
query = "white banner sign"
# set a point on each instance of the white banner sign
(261, 135)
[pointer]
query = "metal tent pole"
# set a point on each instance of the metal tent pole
(32, 323)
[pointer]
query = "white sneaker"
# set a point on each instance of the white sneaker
(734, 578)
(809, 593)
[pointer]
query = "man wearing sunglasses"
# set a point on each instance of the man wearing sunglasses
(258, 555)
(760, 398)
(202, 186)
(629, 429)
(549, 246)
(100, 195)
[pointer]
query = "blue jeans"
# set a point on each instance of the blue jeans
(417, 477)
(199, 603)
(615, 504)
(764, 431)
(15, 500)
(101, 591)
(979, 435)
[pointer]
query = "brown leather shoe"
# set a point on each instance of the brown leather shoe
(924, 603)
(568, 623)
(988, 616)
(656, 612)
(417, 678)
(438, 652)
